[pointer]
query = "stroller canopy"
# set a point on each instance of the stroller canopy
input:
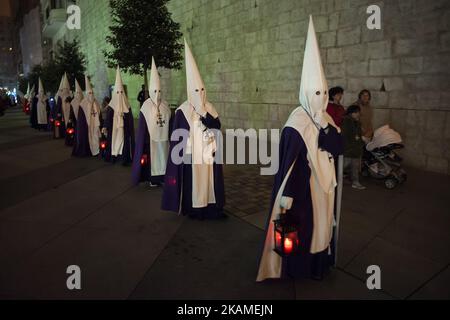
(382, 137)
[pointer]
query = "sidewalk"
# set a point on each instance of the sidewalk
(57, 211)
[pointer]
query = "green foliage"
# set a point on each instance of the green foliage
(71, 60)
(143, 29)
(68, 59)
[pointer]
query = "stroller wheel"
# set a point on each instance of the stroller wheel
(390, 183)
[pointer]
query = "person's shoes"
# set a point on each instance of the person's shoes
(358, 186)
(151, 185)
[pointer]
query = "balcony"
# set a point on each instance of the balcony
(55, 19)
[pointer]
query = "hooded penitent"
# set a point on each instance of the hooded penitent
(119, 103)
(64, 92)
(77, 98)
(91, 109)
(200, 145)
(157, 117)
(308, 121)
(41, 104)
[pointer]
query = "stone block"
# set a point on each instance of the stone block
(384, 67)
(327, 39)
(355, 52)
(357, 69)
(379, 49)
(349, 36)
(334, 55)
(393, 84)
(412, 65)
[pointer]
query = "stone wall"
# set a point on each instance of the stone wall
(250, 53)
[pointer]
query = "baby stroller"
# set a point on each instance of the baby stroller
(380, 160)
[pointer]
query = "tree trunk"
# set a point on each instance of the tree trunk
(146, 83)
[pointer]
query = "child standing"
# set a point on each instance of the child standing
(353, 144)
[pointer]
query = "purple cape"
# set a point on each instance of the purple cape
(81, 146)
(128, 147)
(293, 148)
(178, 179)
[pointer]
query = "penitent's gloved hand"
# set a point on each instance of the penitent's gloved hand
(320, 119)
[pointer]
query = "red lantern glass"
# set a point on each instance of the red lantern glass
(286, 237)
(144, 160)
(70, 131)
(57, 123)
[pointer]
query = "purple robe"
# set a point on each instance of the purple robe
(128, 131)
(81, 147)
(293, 148)
(178, 179)
(141, 173)
(33, 113)
(70, 140)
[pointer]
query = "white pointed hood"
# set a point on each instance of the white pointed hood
(119, 101)
(41, 92)
(31, 94)
(78, 97)
(155, 84)
(89, 91)
(196, 91)
(59, 89)
(27, 94)
(313, 85)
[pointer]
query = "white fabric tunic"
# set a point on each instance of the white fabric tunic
(158, 129)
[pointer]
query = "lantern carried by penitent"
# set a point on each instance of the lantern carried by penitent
(286, 237)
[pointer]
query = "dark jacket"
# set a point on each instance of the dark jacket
(353, 143)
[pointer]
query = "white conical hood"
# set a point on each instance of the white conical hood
(65, 86)
(41, 91)
(59, 89)
(64, 89)
(78, 91)
(27, 94)
(78, 97)
(89, 91)
(119, 101)
(155, 84)
(196, 91)
(31, 94)
(313, 84)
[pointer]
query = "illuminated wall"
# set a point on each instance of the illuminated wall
(250, 53)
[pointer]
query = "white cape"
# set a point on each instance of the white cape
(201, 150)
(41, 112)
(159, 136)
(92, 112)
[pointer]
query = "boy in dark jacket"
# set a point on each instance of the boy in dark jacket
(353, 144)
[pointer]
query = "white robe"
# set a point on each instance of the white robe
(42, 111)
(92, 114)
(201, 150)
(159, 136)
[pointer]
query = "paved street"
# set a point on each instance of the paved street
(57, 211)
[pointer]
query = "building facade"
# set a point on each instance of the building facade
(250, 55)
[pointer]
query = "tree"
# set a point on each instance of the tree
(143, 29)
(71, 60)
(68, 59)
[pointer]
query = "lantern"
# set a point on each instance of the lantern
(57, 123)
(103, 142)
(144, 160)
(70, 131)
(286, 237)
